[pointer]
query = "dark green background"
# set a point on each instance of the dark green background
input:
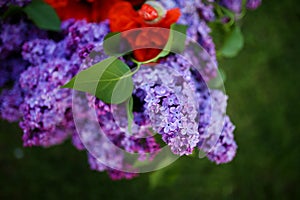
(262, 83)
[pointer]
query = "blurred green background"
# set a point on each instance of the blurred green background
(262, 83)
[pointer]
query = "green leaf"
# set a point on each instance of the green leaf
(115, 45)
(176, 41)
(130, 117)
(177, 37)
(234, 42)
(109, 80)
(43, 15)
(11, 11)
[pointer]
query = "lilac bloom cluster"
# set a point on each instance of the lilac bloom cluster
(14, 34)
(6, 3)
(195, 15)
(12, 37)
(213, 123)
(253, 4)
(10, 101)
(107, 150)
(184, 111)
(169, 98)
(45, 109)
(205, 9)
(216, 130)
(102, 153)
(171, 106)
(10, 69)
(233, 5)
(224, 149)
(237, 5)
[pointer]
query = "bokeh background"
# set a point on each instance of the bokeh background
(262, 83)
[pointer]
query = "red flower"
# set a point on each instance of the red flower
(123, 17)
(90, 10)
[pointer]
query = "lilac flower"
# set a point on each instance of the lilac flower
(233, 5)
(225, 148)
(104, 153)
(13, 35)
(197, 28)
(205, 9)
(216, 130)
(10, 69)
(5, 3)
(46, 108)
(166, 111)
(38, 51)
(10, 101)
(253, 4)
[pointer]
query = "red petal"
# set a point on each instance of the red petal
(123, 17)
(100, 8)
(171, 17)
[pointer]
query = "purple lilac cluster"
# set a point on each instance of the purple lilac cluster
(6, 3)
(14, 34)
(233, 5)
(224, 149)
(216, 130)
(171, 106)
(237, 5)
(10, 69)
(213, 123)
(205, 9)
(184, 111)
(253, 4)
(165, 96)
(12, 37)
(46, 110)
(195, 15)
(106, 150)
(10, 101)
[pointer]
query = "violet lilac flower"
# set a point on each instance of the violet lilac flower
(253, 4)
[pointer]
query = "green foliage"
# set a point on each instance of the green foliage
(176, 40)
(43, 15)
(115, 45)
(110, 80)
(233, 43)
